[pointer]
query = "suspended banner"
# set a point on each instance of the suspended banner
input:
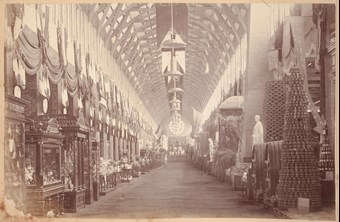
(163, 20)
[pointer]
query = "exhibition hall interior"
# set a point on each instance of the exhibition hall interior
(170, 110)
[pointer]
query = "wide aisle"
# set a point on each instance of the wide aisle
(178, 190)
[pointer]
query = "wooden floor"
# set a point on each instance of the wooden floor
(176, 190)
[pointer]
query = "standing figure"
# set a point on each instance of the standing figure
(258, 131)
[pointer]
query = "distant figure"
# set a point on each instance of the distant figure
(165, 159)
(258, 131)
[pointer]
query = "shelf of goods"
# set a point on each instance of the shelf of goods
(44, 186)
(274, 103)
(299, 174)
(326, 168)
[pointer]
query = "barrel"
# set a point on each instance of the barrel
(258, 170)
(272, 166)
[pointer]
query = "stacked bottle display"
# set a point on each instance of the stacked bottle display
(326, 160)
(274, 103)
(299, 174)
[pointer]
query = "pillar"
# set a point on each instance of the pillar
(116, 148)
(133, 144)
(257, 73)
(111, 148)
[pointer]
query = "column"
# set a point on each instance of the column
(116, 147)
(111, 148)
(257, 73)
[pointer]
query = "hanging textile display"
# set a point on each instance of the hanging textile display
(80, 102)
(32, 49)
(318, 19)
(82, 58)
(17, 27)
(43, 23)
(64, 95)
(19, 72)
(28, 48)
(62, 43)
(54, 65)
(43, 82)
(71, 80)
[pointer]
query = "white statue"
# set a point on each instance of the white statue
(211, 149)
(258, 131)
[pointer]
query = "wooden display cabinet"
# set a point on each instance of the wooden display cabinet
(75, 155)
(44, 187)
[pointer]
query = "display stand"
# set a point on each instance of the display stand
(75, 147)
(44, 187)
(299, 174)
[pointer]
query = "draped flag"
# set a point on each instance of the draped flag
(197, 118)
(158, 131)
(298, 32)
(62, 43)
(64, 95)
(43, 24)
(43, 82)
(19, 72)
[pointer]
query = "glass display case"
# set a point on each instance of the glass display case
(51, 164)
(30, 164)
(44, 188)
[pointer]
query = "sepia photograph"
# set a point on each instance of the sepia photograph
(146, 111)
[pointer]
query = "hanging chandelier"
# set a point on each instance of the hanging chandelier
(176, 124)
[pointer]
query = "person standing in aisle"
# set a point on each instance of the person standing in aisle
(165, 159)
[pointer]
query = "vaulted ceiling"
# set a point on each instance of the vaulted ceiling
(129, 32)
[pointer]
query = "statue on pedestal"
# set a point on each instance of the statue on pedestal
(257, 131)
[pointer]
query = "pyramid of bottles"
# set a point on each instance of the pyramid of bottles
(299, 174)
(274, 103)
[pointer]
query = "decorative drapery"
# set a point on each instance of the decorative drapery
(27, 46)
(32, 49)
(33, 55)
